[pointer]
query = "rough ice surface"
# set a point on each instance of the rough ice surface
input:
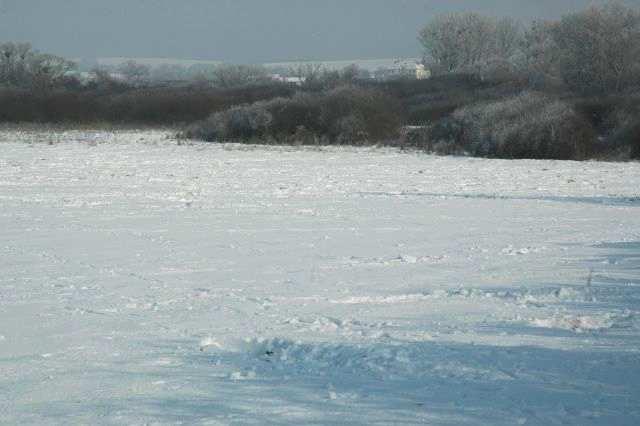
(147, 282)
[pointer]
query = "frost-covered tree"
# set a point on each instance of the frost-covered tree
(22, 66)
(169, 72)
(507, 38)
(600, 48)
(310, 72)
(540, 56)
(228, 75)
(468, 41)
(48, 71)
(134, 72)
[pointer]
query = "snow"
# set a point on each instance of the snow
(146, 281)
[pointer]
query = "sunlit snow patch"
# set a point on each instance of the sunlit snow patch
(521, 297)
(584, 323)
(209, 342)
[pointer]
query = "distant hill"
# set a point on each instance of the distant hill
(367, 64)
(153, 62)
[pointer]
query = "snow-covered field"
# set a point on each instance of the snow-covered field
(146, 282)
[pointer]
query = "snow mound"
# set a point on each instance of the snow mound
(556, 295)
(381, 300)
(585, 323)
(521, 297)
(209, 342)
(514, 251)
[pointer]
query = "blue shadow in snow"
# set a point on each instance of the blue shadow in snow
(605, 201)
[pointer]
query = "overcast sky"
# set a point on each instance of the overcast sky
(243, 30)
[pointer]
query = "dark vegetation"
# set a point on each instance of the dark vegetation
(567, 89)
(128, 106)
(344, 115)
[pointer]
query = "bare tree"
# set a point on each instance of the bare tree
(21, 66)
(540, 60)
(169, 73)
(507, 38)
(311, 73)
(48, 71)
(468, 41)
(600, 48)
(239, 75)
(350, 73)
(134, 72)
(320, 76)
(102, 79)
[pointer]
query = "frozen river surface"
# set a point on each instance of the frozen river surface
(147, 282)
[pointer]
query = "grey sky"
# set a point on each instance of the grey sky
(242, 30)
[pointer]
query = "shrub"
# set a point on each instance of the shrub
(529, 125)
(432, 111)
(629, 136)
(624, 125)
(440, 138)
(240, 122)
(126, 105)
(617, 120)
(427, 101)
(600, 111)
(347, 115)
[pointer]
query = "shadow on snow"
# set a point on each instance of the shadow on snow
(280, 381)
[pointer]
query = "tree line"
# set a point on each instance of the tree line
(566, 89)
(596, 50)
(22, 66)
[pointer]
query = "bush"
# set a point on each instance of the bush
(629, 136)
(427, 101)
(347, 115)
(525, 126)
(241, 122)
(440, 138)
(624, 124)
(126, 105)
(600, 111)
(432, 111)
(617, 121)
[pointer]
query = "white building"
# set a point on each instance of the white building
(403, 68)
(422, 73)
(298, 81)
